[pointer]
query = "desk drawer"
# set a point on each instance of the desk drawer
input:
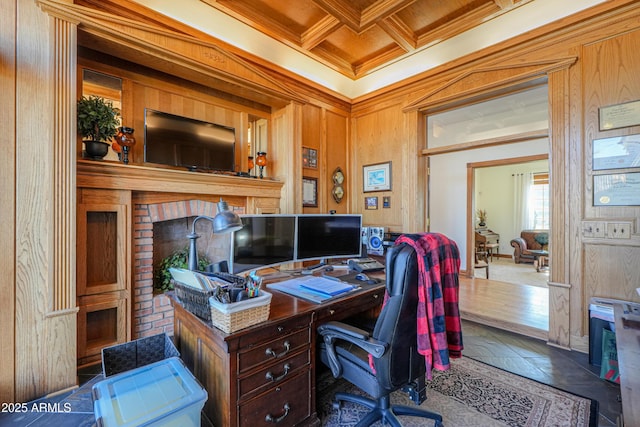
(356, 305)
(286, 404)
(275, 330)
(272, 375)
(271, 351)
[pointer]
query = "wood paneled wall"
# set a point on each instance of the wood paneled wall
(586, 67)
(378, 129)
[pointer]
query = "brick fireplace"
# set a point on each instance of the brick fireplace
(159, 229)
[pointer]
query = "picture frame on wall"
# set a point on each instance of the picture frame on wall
(620, 152)
(621, 189)
(376, 177)
(371, 203)
(309, 158)
(309, 192)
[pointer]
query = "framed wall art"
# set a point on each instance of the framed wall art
(619, 115)
(621, 189)
(309, 158)
(309, 192)
(377, 177)
(371, 203)
(619, 152)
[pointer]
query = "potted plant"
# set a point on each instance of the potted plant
(179, 259)
(98, 120)
(482, 217)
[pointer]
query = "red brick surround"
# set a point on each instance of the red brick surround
(152, 312)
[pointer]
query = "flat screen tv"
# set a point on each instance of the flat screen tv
(265, 240)
(328, 236)
(184, 142)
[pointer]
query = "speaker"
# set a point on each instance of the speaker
(375, 240)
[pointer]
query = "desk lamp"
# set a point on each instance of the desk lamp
(225, 221)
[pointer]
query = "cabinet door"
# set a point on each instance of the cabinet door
(102, 322)
(102, 250)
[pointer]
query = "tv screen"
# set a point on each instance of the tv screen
(180, 141)
(328, 236)
(263, 241)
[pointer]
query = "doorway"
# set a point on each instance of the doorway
(495, 189)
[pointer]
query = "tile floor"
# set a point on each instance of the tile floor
(525, 356)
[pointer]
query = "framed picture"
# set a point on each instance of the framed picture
(619, 115)
(619, 152)
(309, 192)
(371, 203)
(309, 158)
(621, 189)
(377, 177)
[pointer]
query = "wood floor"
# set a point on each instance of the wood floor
(522, 309)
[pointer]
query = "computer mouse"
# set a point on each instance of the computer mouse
(362, 277)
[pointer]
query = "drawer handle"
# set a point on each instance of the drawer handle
(270, 376)
(269, 418)
(270, 352)
(332, 312)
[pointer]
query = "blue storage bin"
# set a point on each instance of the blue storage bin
(163, 393)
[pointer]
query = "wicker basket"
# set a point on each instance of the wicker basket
(194, 300)
(238, 315)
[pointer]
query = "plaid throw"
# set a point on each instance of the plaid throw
(438, 317)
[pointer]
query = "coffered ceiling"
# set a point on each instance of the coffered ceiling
(356, 37)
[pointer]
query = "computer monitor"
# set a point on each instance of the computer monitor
(328, 236)
(265, 240)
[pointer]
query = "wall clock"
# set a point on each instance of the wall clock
(338, 191)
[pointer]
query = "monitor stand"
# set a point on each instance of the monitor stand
(314, 267)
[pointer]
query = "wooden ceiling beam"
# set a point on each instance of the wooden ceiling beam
(381, 10)
(319, 32)
(341, 10)
(399, 32)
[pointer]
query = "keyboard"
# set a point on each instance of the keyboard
(236, 281)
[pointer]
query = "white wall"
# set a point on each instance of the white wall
(448, 186)
(494, 193)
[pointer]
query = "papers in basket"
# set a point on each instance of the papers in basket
(195, 280)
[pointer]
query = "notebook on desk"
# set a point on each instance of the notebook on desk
(313, 288)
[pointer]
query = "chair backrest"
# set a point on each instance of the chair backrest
(396, 324)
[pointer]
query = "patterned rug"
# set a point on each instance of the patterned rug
(473, 394)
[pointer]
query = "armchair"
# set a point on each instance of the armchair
(529, 240)
(392, 346)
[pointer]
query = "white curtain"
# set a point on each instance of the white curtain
(523, 218)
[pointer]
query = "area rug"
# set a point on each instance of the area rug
(473, 394)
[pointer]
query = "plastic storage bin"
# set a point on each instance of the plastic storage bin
(163, 393)
(135, 354)
(600, 318)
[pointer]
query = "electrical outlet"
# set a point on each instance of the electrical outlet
(619, 230)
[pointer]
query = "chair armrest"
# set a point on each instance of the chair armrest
(333, 331)
(519, 242)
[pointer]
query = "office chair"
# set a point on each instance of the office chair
(392, 344)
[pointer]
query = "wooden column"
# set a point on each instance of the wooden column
(559, 244)
(45, 313)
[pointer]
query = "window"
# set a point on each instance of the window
(539, 201)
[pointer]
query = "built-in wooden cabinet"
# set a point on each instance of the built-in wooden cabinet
(103, 284)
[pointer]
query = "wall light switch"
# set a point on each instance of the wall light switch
(619, 230)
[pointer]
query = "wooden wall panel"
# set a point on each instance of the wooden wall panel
(383, 136)
(7, 198)
(336, 154)
(611, 271)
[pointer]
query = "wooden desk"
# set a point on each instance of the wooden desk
(628, 346)
(267, 370)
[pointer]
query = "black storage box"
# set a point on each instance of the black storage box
(134, 354)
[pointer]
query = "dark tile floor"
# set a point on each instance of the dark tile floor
(531, 358)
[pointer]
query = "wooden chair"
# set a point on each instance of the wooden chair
(481, 261)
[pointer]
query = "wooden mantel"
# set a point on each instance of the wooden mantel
(118, 176)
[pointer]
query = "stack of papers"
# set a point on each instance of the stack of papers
(313, 288)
